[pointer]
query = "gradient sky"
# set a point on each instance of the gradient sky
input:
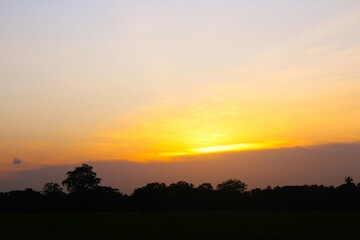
(160, 80)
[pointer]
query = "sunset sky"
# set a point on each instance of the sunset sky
(169, 81)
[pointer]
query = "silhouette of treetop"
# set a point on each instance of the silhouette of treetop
(181, 186)
(86, 195)
(155, 187)
(82, 179)
(52, 189)
(205, 187)
(231, 186)
(349, 181)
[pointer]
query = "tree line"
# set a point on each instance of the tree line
(85, 194)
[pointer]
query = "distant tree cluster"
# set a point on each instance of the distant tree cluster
(85, 194)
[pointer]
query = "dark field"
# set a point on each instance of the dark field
(190, 225)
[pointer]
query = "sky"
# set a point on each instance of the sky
(171, 81)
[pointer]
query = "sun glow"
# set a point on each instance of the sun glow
(161, 133)
(233, 147)
(241, 120)
(226, 148)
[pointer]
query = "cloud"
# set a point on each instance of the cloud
(17, 161)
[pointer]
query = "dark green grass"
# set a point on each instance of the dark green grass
(186, 225)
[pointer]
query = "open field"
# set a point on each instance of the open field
(187, 225)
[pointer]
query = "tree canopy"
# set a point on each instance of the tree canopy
(85, 194)
(52, 188)
(81, 179)
(231, 186)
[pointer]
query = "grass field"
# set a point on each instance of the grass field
(191, 225)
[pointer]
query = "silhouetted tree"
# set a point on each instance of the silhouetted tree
(87, 195)
(55, 198)
(231, 186)
(105, 198)
(181, 185)
(349, 181)
(152, 196)
(205, 187)
(81, 179)
(52, 188)
(181, 195)
(27, 200)
(347, 194)
(154, 187)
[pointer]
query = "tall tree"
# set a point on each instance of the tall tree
(82, 179)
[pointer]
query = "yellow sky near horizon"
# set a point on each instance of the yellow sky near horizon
(164, 80)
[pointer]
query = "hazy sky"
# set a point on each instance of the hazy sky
(160, 80)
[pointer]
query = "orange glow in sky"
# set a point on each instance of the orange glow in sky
(156, 82)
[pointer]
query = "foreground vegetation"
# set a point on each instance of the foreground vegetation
(85, 194)
(182, 225)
